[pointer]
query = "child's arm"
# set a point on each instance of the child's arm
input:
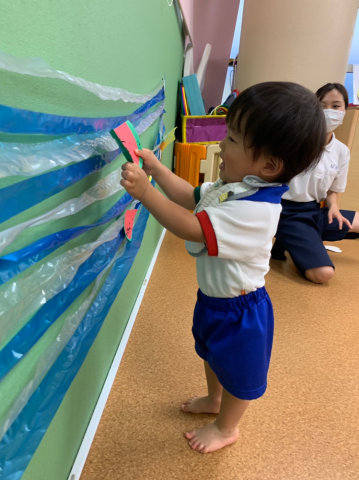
(176, 189)
(173, 217)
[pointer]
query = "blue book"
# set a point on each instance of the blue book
(193, 94)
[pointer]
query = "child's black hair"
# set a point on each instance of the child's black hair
(322, 91)
(283, 120)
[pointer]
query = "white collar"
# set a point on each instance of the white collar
(329, 147)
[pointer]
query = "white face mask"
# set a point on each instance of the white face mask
(333, 118)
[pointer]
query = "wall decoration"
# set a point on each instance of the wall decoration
(37, 67)
(32, 302)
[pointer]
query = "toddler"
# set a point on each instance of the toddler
(276, 130)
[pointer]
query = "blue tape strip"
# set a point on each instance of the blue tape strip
(25, 434)
(24, 195)
(16, 120)
(19, 261)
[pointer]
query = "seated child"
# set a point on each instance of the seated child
(303, 224)
(276, 130)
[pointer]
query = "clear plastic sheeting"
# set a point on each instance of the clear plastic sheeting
(103, 189)
(147, 121)
(20, 299)
(20, 260)
(48, 358)
(37, 67)
(29, 159)
(25, 339)
(26, 194)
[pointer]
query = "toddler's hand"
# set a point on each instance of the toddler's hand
(134, 180)
(150, 161)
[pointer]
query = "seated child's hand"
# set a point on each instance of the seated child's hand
(134, 180)
(150, 161)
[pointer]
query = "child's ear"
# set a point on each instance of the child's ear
(272, 167)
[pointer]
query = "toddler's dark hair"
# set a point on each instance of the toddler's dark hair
(280, 119)
(322, 91)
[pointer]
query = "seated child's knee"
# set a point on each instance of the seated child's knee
(320, 275)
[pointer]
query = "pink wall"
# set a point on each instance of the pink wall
(214, 22)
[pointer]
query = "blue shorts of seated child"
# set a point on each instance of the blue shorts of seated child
(235, 336)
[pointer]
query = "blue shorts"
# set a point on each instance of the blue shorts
(301, 230)
(235, 336)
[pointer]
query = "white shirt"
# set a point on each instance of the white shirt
(243, 232)
(330, 174)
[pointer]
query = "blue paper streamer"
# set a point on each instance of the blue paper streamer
(19, 261)
(25, 434)
(16, 120)
(24, 195)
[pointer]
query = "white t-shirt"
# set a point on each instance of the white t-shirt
(239, 240)
(330, 174)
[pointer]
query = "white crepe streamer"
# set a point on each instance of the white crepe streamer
(37, 67)
(103, 189)
(29, 159)
(50, 355)
(21, 298)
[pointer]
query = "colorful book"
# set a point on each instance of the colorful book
(186, 109)
(185, 101)
(181, 99)
(193, 95)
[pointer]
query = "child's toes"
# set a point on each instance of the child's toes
(196, 444)
(200, 448)
(186, 406)
(190, 435)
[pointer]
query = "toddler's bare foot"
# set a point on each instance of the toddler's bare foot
(201, 405)
(210, 438)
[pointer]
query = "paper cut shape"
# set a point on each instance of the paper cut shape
(129, 140)
(129, 221)
(169, 138)
(333, 249)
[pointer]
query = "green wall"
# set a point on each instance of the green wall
(121, 43)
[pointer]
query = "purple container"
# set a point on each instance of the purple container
(206, 129)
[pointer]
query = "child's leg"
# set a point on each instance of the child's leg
(320, 274)
(332, 233)
(212, 402)
(355, 226)
(239, 343)
(224, 430)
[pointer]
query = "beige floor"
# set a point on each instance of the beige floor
(305, 427)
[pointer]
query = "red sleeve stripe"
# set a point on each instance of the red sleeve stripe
(211, 240)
